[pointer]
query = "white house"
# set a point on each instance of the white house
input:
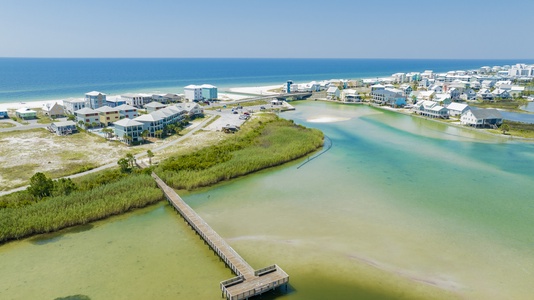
(481, 118)
(53, 110)
(135, 100)
(350, 95)
(431, 109)
(333, 93)
(456, 109)
(193, 92)
(72, 105)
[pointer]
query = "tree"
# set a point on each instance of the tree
(144, 134)
(71, 118)
(108, 132)
(505, 128)
(64, 186)
(40, 185)
(124, 165)
(150, 155)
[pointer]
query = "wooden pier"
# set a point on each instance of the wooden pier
(248, 282)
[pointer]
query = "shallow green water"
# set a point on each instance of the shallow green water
(400, 207)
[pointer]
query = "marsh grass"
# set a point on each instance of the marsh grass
(262, 143)
(89, 203)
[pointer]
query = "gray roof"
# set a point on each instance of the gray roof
(149, 118)
(125, 107)
(127, 123)
(106, 108)
(154, 104)
(86, 110)
(489, 113)
(64, 123)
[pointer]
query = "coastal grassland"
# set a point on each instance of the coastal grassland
(511, 105)
(518, 129)
(37, 150)
(264, 142)
(6, 125)
(93, 200)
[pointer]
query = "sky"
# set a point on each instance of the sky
(470, 29)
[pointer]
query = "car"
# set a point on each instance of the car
(262, 108)
(246, 113)
(235, 112)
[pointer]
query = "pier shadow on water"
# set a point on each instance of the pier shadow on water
(53, 237)
(74, 297)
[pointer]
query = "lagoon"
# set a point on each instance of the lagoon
(399, 207)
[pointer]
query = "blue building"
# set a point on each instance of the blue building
(288, 87)
(209, 92)
(3, 113)
(95, 100)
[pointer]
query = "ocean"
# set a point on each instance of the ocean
(37, 79)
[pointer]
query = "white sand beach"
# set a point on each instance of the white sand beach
(256, 90)
(29, 104)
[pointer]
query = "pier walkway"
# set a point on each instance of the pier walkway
(248, 282)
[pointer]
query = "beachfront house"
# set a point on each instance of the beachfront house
(481, 118)
(72, 105)
(108, 115)
(388, 97)
(53, 110)
(333, 93)
(26, 113)
(95, 99)
(457, 109)
(209, 92)
(88, 117)
(4, 114)
(442, 99)
(430, 109)
(128, 130)
(127, 111)
(153, 106)
(63, 128)
(193, 92)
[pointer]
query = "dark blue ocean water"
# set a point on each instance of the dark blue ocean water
(27, 79)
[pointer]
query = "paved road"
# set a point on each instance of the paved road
(114, 164)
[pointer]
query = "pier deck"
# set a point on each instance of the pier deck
(248, 282)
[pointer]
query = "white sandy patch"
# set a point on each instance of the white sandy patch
(30, 104)
(257, 90)
(327, 119)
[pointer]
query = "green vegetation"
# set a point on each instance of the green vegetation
(518, 129)
(263, 143)
(93, 198)
(511, 105)
(50, 205)
(6, 125)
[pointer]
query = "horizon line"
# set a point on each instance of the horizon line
(329, 58)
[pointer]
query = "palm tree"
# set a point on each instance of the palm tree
(131, 159)
(144, 134)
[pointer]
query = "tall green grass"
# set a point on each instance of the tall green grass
(79, 207)
(261, 144)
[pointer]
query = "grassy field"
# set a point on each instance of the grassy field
(511, 105)
(264, 142)
(518, 129)
(38, 150)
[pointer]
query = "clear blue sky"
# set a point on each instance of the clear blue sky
(268, 28)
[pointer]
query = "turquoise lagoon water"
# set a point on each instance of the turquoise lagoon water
(399, 208)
